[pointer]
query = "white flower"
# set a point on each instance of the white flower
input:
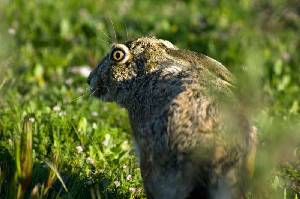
(69, 81)
(129, 177)
(11, 31)
(62, 113)
(117, 183)
(94, 125)
(79, 149)
(90, 160)
(56, 108)
(132, 189)
(32, 120)
(106, 141)
(80, 90)
(124, 166)
(125, 146)
(81, 70)
(94, 113)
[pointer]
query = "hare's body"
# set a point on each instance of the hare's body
(191, 139)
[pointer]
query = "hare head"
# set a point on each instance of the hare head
(113, 78)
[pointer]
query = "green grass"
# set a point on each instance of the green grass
(52, 132)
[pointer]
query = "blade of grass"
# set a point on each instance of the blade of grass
(54, 169)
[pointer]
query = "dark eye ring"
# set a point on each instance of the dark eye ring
(117, 55)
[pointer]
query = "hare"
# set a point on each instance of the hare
(191, 136)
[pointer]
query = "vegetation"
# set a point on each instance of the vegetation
(58, 142)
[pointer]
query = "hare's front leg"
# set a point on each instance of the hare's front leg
(166, 180)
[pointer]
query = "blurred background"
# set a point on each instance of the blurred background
(56, 141)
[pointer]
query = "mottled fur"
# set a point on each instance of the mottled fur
(190, 133)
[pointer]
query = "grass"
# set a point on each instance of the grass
(58, 142)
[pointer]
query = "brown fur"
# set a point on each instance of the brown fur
(191, 138)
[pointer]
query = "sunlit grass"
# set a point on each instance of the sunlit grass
(56, 141)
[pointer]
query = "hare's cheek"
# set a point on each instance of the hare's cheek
(123, 73)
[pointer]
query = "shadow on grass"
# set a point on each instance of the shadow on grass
(42, 185)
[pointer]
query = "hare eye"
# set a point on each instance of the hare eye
(117, 55)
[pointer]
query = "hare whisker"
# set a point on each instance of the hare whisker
(106, 35)
(114, 30)
(94, 90)
(82, 95)
(127, 37)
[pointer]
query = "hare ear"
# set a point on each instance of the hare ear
(168, 44)
(250, 157)
(218, 69)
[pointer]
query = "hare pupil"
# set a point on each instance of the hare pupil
(118, 55)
